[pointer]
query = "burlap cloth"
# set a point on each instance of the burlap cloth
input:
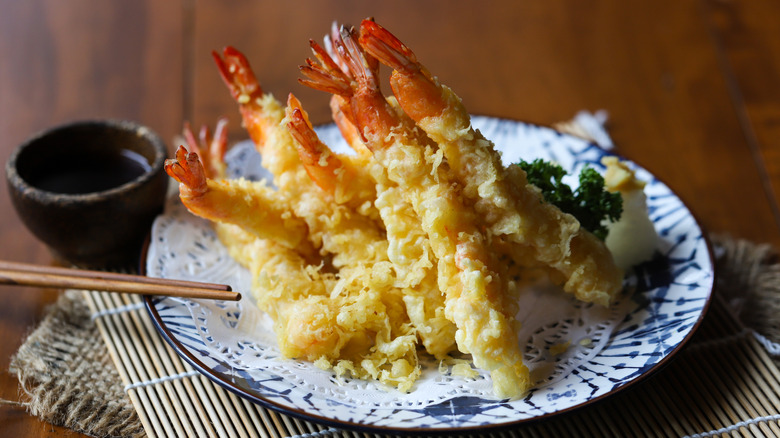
(67, 377)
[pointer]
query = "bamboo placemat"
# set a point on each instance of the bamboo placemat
(724, 382)
(172, 398)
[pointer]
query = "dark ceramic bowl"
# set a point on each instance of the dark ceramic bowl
(90, 190)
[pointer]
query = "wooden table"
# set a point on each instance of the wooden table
(692, 90)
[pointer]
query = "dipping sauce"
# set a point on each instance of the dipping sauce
(82, 173)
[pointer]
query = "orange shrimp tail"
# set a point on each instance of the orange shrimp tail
(388, 49)
(341, 113)
(417, 91)
(309, 148)
(328, 61)
(211, 150)
(187, 169)
(363, 68)
(371, 112)
(237, 75)
(337, 50)
(325, 76)
(341, 110)
(220, 141)
(189, 138)
(332, 42)
(294, 104)
(320, 163)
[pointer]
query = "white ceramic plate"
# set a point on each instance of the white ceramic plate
(232, 343)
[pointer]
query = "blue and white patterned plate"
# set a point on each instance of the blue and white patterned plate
(577, 353)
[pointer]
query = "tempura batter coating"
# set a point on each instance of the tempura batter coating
(251, 205)
(320, 316)
(408, 246)
(345, 179)
(332, 227)
(473, 300)
(511, 207)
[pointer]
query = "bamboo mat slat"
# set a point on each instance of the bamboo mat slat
(723, 384)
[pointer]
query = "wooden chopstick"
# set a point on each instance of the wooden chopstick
(23, 274)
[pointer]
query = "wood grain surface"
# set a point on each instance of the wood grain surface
(692, 90)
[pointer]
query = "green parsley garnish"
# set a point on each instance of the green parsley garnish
(591, 203)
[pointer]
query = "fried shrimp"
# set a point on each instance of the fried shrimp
(474, 302)
(329, 325)
(336, 175)
(252, 206)
(319, 316)
(408, 246)
(313, 309)
(512, 208)
(339, 106)
(421, 238)
(332, 227)
(262, 117)
(414, 262)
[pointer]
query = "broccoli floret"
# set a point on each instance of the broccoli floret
(591, 204)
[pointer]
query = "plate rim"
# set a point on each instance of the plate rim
(196, 363)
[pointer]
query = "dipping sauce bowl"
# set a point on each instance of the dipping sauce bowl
(90, 190)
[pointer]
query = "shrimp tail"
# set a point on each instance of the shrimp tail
(336, 57)
(319, 161)
(341, 113)
(189, 137)
(329, 57)
(337, 47)
(363, 67)
(187, 169)
(259, 120)
(331, 42)
(309, 146)
(211, 150)
(220, 140)
(326, 76)
(386, 47)
(416, 89)
(376, 112)
(234, 68)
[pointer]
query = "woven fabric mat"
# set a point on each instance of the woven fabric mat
(726, 381)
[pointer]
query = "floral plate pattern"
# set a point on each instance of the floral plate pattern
(604, 349)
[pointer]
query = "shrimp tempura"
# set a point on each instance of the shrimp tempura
(421, 237)
(478, 306)
(251, 205)
(512, 208)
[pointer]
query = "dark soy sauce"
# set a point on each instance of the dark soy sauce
(81, 174)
